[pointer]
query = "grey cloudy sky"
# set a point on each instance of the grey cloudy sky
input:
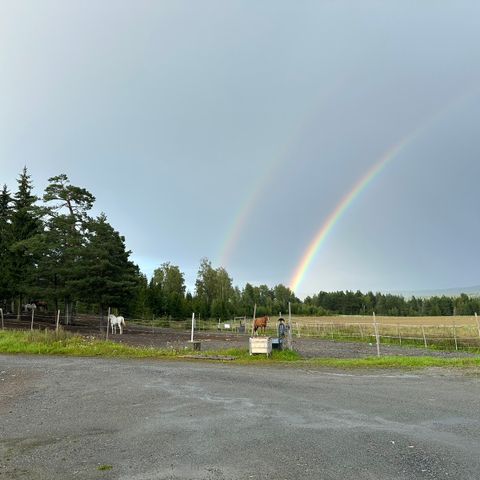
(231, 130)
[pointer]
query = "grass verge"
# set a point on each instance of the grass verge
(49, 342)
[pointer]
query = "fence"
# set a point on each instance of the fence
(440, 335)
(464, 334)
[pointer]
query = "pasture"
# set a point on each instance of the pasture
(332, 337)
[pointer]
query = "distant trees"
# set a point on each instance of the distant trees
(52, 249)
(167, 292)
(215, 296)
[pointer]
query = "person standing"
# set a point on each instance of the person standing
(282, 330)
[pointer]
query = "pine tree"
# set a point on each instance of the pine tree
(26, 225)
(6, 285)
(64, 238)
(104, 275)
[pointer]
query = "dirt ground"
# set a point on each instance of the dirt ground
(306, 347)
(137, 335)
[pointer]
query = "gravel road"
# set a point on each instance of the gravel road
(92, 418)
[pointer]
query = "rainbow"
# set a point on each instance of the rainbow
(257, 189)
(364, 181)
(342, 206)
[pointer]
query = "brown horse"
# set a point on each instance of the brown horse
(260, 323)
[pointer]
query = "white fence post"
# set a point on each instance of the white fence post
(193, 326)
(58, 321)
(377, 336)
(108, 321)
(33, 315)
(455, 336)
(1, 313)
(424, 338)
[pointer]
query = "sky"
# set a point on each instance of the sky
(324, 145)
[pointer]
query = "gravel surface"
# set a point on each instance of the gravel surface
(93, 418)
(306, 347)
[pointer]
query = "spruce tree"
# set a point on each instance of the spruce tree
(104, 275)
(26, 224)
(6, 285)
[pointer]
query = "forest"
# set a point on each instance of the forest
(52, 250)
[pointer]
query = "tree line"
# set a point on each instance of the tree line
(52, 249)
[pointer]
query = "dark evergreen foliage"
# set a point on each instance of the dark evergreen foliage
(56, 252)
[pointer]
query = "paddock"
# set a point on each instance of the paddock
(310, 339)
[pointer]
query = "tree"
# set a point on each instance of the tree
(168, 286)
(64, 238)
(25, 225)
(6, 285)
(205, 288)
(282, 297)
(214, 292)
(104, 274)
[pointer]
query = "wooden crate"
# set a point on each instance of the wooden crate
(260, 345)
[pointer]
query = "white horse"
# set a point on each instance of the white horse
(116, 321)
(28, 307)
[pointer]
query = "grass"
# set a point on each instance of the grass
(396, 362)
(48, 342)
(104, 467)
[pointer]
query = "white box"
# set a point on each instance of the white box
(260, 345)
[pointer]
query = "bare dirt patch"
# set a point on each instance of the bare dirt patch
(178, 340)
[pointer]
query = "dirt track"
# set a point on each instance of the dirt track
(137, 335)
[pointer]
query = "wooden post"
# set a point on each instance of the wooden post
(108, 322)
(478, 324)
(193, 326)
(331, 330)
(361, 330)
(33, 315)
(377, 336)
(455, 336)
(58, 321)
(289, 333)
(424, 337)
(1, 313)
(254, 314)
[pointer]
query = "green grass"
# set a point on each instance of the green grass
(396, 362)
(104, 467)
(48, 342)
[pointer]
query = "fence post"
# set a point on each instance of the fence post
(424, 338)
(289, 333)
(108, 321)
(254, 314)
(361, 330)
(455, 336)
(399, 334)
(33, 315)
(377, 336)
(478, 324)
(1, 313)
(58, 321)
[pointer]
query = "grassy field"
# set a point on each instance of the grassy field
(67, 344)
(454, 332)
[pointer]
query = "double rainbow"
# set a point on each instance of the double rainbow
(339, 210)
